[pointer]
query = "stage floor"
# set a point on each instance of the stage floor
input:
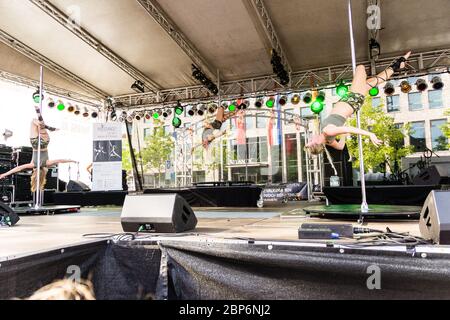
(34, 234)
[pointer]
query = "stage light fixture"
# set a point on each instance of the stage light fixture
(176, 122)
(77, 111)
(201, 110)
(113, 115)
(437, 83)
(50, 103)
(270, 103)
(179, 109)
(295, 99)
(389, 89)
(86, 113)
(283, 100)
(212, 108)
(243, 104)
(342, 89)
(71, 108)
(138, 86)
(259, 103)
(94, 114)
(123, 117)
(224, 105)
(233, 106)
(36, 96)
(374, 91)
(148, 115)
(421, 85)
(60, 105)
(307, 98)
(139, 115)
(405, 86)
(192, 111)
(130, 117)
(167, 113)
(156, 114)
(317, 107)
(321, 97)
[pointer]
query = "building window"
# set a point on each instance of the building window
(290, 142)
(248, 122)
(400, 126)
(261, 121)
(306, 112)
(438, 140)
(393, 103)
(376, 102)
(415, 101)
(417, 136)
(148, 132)
(435, 99)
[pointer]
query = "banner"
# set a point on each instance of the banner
(107, 162)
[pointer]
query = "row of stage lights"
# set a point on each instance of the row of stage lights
(61, 106)
(406, 87)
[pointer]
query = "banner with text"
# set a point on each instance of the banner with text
(107, 162)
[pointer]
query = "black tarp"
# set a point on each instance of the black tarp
(207, 270)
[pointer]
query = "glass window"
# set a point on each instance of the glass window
(148, 132)
(290, 142)
(167, 129)
(248, 121)
(263, 152)
(438, 140)
(401, 127)
(261, 121)
(415, 101)
(417, 136)
(393, 103)
(305, 112)
(435, 99)
(376, 102)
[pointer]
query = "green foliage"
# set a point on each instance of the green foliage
(158, 149)
(375, 120)
(126, 156)
(446, 131)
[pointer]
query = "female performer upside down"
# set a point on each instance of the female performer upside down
(211, 130)
(38, 126)
(334, 125)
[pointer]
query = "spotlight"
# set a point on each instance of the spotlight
(233, 106)
(212, 108)
(86, 113)
(71, 108)
(224, 105)
(342, 89)
(51, 103)
(405, 87)
(148, 115)
(123, 117)
(113, 115)
(283, 101)
(77, 111)
(374, 91)
(37, 97)
(437, 83)
(193, 111)
(389, 89)
(295, 99)
(94, 114)
(167, 113)
(259, 103)
(206, 82)
(201, 110)
(243, 105)
(179, 109)
(270, 103)
(421, 85)
(321, 97)
(130, 117)
(317, 107)
(307, 98)
(156, 114)
(60, 105)
(176, 122)
(138, 86)
(279, 69)
(139, 115)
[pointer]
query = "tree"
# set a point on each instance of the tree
(158, 149)
(446, 131)
(126, 157)
(375, 120)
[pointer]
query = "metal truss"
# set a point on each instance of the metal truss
(270, 31)
(49, 64)
(84, 35)
(158, 14)
(418, 64)
(53, 90)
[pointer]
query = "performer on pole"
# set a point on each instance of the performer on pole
(333, 125)
(38, 128)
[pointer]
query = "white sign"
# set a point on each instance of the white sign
(107, 162)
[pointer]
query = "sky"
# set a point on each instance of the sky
(73, 141)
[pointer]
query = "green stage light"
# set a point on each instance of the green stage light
(321, 97)
(61, 106)
(176, 122)
(270, 103)
(36, 97)
(317, 107)
(179, 109)
(232, 107)
(374, 91)
(155, 115)
(342, 89)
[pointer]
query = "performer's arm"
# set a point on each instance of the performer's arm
(51, 163)
(333, 131)
(21, 168)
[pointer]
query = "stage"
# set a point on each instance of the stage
(243, 244)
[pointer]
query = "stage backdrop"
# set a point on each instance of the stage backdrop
(107, 162)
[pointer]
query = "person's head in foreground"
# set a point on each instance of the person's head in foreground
(65, 290)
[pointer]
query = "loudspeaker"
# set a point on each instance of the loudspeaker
(429, 176)
(158, 213)
(435, 217)
(7, 216)
(77, 186)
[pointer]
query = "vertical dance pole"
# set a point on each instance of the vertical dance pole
(38, 173)
(364, 206)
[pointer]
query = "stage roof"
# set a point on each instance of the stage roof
(227, 34)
